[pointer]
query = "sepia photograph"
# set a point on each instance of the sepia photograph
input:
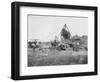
(57, 40)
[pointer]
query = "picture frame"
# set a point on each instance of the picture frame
(21, 15)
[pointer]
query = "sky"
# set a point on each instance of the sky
(45, 28)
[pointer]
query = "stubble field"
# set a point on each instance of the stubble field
(48, 57)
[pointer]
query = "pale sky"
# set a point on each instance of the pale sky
(45, 28)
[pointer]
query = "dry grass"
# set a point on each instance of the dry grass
(54, 57)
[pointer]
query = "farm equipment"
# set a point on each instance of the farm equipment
(33, 44)
(68, 42)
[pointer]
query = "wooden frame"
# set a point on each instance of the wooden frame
(15, 41)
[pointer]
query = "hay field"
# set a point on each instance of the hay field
(52, 57)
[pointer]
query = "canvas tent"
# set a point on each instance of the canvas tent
(65, 32)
